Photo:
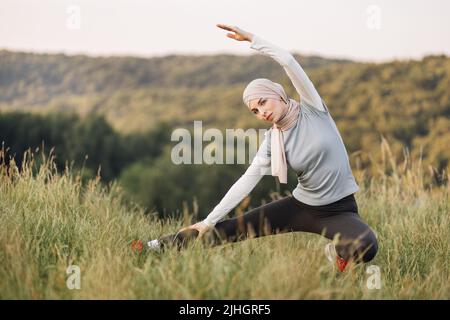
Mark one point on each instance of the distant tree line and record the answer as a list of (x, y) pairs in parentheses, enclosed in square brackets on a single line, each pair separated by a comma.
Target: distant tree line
[(141, 162)]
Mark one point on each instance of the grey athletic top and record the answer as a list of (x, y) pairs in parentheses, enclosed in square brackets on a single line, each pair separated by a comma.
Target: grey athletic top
[(314, 148), (315, 151)]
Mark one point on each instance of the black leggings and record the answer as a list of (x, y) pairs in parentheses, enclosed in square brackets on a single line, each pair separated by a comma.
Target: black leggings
[(355, 240)]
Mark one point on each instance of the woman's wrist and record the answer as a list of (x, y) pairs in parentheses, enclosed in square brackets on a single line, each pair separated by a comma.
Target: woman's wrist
[(207, 223)]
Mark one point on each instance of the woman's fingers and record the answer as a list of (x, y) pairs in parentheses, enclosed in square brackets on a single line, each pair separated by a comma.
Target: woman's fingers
[(200, 227), (236, 30), (239, 34), (226, 27), (191, 227)]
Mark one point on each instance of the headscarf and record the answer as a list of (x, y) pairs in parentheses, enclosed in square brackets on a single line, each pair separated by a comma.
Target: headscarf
[(266, 89)]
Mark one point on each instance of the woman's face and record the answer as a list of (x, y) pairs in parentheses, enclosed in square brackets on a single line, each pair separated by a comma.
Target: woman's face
[(267, 109)]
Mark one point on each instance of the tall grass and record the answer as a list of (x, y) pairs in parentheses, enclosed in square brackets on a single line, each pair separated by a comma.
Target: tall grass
[(50, 220)]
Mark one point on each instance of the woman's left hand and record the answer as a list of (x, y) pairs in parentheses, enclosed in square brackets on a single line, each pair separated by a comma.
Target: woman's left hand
[(201, 227), (239, 34)]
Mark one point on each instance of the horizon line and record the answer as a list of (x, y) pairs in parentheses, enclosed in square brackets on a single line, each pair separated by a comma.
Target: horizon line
[(216, 53)]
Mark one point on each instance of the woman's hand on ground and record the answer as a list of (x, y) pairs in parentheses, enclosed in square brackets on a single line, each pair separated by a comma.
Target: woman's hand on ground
[(201, 227), (239, 34)]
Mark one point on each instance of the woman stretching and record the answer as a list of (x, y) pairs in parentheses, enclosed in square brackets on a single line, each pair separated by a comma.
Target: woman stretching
[(304, 136)]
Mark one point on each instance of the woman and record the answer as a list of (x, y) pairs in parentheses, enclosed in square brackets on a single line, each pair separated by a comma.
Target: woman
[(304, 136)]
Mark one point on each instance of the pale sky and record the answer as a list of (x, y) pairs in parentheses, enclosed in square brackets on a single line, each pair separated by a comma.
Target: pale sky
[(357, 29)]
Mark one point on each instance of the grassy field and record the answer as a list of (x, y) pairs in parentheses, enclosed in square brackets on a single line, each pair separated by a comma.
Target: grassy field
[(50, 220)]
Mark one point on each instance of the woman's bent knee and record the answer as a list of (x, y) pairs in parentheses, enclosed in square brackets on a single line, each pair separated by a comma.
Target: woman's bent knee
[(363, 249), (368, 247)]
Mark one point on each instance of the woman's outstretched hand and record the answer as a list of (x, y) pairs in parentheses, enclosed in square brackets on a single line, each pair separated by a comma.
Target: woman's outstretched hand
[(239, 34), (201, 227)]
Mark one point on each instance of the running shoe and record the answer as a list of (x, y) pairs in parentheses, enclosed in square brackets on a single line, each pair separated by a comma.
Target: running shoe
[(333, 257)]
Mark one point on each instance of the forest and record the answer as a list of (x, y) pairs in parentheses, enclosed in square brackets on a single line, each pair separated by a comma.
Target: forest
[(113, 117)]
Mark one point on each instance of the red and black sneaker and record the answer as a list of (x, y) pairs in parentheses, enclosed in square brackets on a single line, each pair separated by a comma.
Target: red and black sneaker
[(341, 263), (333, 257)]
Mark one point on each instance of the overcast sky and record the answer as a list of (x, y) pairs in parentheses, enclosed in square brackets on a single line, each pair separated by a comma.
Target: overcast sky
[(357, 29)]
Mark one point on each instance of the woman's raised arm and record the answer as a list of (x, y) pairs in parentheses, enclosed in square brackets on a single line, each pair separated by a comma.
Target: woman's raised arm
[(295, 72)]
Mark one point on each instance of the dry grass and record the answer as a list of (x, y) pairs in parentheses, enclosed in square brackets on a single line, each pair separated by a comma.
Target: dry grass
[(50, 221)]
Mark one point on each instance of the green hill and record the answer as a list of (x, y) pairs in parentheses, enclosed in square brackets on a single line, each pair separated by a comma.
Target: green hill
[(408, 102)]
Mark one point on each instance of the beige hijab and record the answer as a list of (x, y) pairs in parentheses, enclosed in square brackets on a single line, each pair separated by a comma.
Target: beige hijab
[(264, 88)]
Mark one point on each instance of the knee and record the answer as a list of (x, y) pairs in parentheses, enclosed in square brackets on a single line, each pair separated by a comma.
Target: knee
[(367, 248)]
